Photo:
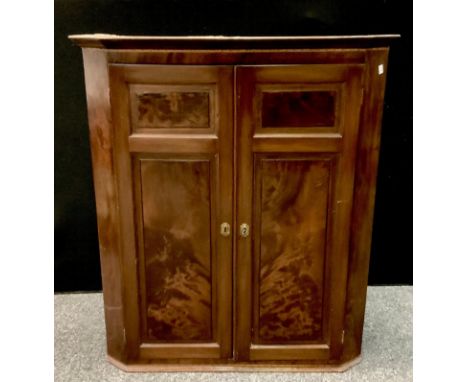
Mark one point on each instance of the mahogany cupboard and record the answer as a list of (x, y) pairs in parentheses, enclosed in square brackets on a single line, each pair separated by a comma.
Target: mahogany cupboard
[(235, 181)]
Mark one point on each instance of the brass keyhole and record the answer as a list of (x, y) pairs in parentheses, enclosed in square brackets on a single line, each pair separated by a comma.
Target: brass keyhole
[(244, 230), (225, 229)]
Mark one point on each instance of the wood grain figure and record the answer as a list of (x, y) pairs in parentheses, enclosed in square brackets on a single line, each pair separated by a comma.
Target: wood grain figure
[(294, 197), (298, 109), (177, 249), (235, 181), (173, 110)]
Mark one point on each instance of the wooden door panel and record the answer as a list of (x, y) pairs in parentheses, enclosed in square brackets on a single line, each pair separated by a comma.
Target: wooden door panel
[(296, 176), (298, 108), (174, 132), (290, 222), (171, 107), (176, 213)]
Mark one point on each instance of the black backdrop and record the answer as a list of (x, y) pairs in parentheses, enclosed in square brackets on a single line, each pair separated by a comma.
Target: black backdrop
[(76, 243)]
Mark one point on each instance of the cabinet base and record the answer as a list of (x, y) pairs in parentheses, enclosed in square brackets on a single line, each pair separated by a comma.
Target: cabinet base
[(231, 366)]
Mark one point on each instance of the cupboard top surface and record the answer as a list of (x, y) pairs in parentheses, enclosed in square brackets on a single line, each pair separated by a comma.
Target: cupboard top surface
[(110, 41)]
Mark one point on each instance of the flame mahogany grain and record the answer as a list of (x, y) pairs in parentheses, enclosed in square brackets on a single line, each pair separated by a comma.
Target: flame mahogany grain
[(298, 109), (293, 217), (280, 133), (172, 110), (177, 251)]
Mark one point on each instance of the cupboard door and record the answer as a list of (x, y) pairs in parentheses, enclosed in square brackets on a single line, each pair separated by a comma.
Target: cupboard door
[(296, 129), (173, 139)]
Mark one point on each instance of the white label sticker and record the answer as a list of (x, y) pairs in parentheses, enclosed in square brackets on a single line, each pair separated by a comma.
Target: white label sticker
[(380, 69)]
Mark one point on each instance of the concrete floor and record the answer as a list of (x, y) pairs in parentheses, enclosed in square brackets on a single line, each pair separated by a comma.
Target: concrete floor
[(387, 345)]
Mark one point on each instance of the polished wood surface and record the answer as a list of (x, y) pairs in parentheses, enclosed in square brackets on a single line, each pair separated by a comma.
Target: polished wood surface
[(292, 203), (236, 56), (170, 108), (325, 340), (279, 133), (107, 206), (204, 365), (298, 108), (177, 250), (180, 286), (110, 41), (363, 204)]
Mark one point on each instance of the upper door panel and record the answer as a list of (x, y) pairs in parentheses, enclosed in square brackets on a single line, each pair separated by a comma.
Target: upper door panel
[(175, 99), (298, 99)]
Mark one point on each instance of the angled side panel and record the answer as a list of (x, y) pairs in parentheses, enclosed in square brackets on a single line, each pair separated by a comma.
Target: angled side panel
[(364, 198), (101, 139)]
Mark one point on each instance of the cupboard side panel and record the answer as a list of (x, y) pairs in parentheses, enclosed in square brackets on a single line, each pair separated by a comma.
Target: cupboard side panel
[(101, 137), (364, 198)]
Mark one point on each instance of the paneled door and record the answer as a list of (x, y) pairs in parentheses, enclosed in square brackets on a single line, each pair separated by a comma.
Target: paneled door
[(174, 139), (296, 129)]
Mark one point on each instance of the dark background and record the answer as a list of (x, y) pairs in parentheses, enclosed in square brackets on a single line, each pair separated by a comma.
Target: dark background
[(76, 243)]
